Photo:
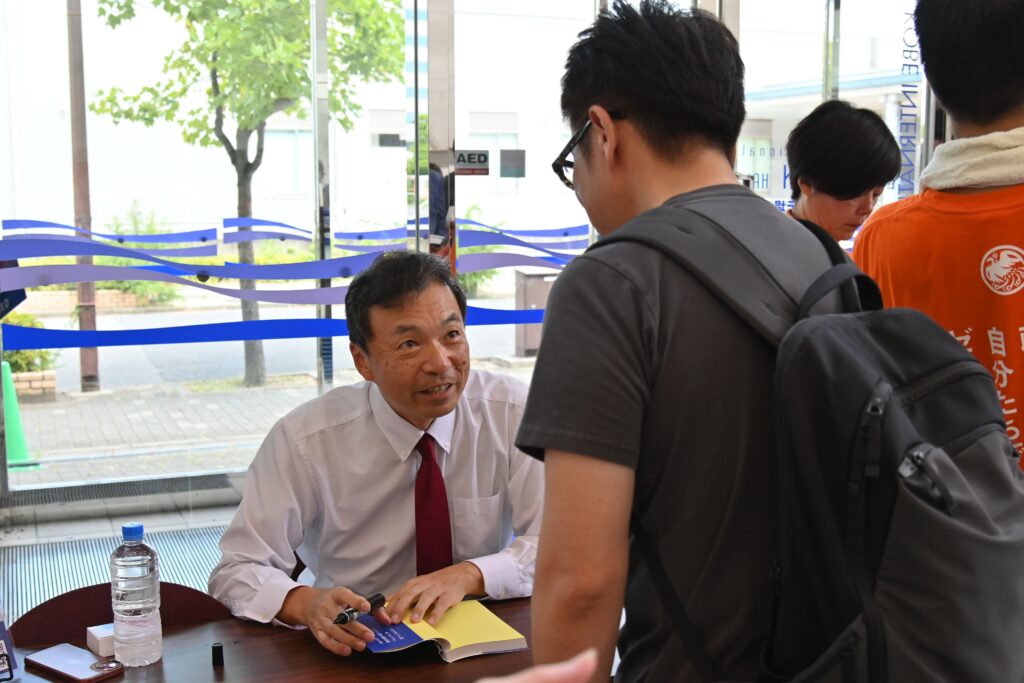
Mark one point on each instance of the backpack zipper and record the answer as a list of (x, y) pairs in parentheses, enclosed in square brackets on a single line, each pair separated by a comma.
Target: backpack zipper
[(867, 457), (937, 379), (918, 460)]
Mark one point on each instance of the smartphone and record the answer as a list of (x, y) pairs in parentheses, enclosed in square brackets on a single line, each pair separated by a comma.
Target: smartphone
[(73, 663)]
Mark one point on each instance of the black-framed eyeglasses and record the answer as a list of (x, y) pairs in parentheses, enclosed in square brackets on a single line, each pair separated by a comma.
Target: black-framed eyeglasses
[(561, 165)]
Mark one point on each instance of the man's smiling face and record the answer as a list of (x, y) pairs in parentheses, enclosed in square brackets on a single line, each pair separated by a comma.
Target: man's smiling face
[(418, 354)]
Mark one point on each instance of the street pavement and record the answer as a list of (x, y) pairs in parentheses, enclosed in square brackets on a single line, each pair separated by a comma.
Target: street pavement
[(168, 429)]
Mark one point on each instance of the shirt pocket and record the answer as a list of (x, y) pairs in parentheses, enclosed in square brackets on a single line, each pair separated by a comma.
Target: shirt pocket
[(480, 526)]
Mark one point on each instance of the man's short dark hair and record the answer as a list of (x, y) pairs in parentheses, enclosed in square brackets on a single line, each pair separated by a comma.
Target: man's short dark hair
[(842, 151), (387, 283), (674, 74), (972, 52)]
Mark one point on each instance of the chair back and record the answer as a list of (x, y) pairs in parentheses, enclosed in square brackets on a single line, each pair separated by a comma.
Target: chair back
[(64, 618)]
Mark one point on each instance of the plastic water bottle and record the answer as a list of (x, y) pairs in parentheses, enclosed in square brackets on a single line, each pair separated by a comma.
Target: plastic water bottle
[(135, 592)]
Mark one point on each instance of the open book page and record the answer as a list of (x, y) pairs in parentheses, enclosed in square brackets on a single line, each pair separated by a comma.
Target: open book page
[(465, 630)]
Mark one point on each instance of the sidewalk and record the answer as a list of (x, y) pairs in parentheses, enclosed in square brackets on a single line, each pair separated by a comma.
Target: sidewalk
[(180, 429)]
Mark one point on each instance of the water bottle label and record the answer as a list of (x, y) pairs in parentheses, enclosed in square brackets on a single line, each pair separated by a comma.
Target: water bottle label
[(8, 663)]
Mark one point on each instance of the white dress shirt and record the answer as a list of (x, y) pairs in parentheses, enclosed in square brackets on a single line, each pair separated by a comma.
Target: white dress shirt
[(334, 482)]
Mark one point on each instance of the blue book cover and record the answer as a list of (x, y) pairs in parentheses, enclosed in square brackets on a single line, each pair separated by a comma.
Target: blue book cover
[(389, 638)]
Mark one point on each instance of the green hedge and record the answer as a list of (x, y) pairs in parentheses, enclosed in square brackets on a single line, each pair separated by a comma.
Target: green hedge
[(31, 360)]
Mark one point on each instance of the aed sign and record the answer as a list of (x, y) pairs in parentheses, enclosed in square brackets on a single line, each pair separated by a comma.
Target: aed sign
[(472, 162)]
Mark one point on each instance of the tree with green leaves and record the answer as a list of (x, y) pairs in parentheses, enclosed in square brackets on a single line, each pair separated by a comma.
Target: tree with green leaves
[(241, 62)]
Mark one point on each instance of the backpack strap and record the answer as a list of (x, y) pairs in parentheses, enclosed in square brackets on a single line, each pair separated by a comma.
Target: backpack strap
[(723, 264), (681, 623), (837, 276), (866, 296)]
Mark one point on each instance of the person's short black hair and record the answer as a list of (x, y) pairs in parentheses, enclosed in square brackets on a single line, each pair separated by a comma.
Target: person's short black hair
[(675, 74), (972, 52), (388, 282), (842, 151)]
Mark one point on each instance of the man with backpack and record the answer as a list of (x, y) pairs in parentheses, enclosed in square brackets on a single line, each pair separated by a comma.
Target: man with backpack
[(650, 396), (771, 493), (956, 251)]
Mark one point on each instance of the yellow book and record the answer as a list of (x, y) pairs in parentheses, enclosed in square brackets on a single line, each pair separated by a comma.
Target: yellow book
[(465, 630)]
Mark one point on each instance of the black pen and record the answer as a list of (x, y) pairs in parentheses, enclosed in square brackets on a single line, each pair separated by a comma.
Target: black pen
[(351, 614)]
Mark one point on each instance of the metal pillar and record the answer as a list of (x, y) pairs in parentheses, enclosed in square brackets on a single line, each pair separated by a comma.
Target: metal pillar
[(441, 127), (830, 75), (321, 156)]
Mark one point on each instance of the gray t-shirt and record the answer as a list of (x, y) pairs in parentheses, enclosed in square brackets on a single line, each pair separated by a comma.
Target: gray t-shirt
[(641, 365)]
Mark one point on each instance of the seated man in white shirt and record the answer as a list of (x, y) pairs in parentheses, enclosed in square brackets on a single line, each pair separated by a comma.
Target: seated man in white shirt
[(338, 481)]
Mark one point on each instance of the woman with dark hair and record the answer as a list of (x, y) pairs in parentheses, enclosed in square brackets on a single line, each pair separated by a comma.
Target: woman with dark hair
[(840, 159)]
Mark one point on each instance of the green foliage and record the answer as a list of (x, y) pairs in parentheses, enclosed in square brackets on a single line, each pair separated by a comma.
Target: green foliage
[(33, 360), (471, 282), (248, 59), (149, 291), (135, 222), (421, 131), (267, 252)]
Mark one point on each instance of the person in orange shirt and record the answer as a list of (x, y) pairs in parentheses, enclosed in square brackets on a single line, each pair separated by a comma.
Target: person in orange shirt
[(956, 251)]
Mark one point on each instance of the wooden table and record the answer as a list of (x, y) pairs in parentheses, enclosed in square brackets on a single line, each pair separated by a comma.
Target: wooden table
[(260, 652)]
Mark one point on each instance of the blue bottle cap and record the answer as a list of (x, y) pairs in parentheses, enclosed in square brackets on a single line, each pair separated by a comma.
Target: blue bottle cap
[(132, 532)]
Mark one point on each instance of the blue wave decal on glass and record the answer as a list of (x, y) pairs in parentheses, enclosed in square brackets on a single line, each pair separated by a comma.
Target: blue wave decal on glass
[(206, 235), (253, 235), (249, 222), (347, 266), (17, 338)]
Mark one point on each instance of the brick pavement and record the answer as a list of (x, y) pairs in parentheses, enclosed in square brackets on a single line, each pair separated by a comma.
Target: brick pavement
[(168, 429)]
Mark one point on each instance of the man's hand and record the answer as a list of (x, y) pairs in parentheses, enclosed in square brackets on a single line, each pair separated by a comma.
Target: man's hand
[(429, 596), (317, 609)]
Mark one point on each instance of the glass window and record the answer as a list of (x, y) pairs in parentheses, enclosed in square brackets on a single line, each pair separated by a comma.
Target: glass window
[(158, 168), (880, 69), (782, 49), (507, 98)]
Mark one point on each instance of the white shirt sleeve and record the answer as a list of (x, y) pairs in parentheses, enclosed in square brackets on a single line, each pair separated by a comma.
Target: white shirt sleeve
[(258, 548), (508, 573)]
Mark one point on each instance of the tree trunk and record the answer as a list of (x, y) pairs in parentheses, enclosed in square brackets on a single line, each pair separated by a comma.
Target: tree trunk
[(255, 364)]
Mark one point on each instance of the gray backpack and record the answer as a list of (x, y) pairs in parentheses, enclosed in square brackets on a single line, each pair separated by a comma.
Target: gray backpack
[(901, 503)]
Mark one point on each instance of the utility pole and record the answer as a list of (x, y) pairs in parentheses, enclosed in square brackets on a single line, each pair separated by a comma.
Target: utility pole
[(89, 357)]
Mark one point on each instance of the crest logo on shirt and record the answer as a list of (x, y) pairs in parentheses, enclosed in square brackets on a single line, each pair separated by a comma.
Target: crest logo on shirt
[(1002, 269)]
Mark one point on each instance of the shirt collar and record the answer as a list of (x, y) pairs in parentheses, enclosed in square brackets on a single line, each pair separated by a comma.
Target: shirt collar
[(403, 436)]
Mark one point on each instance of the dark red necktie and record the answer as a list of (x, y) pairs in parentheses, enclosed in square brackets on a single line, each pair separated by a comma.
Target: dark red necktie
[(433, 525)]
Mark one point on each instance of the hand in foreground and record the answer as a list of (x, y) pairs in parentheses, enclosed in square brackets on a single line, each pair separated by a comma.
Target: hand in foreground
[(429, 596), (319, 608), (579, 669)]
